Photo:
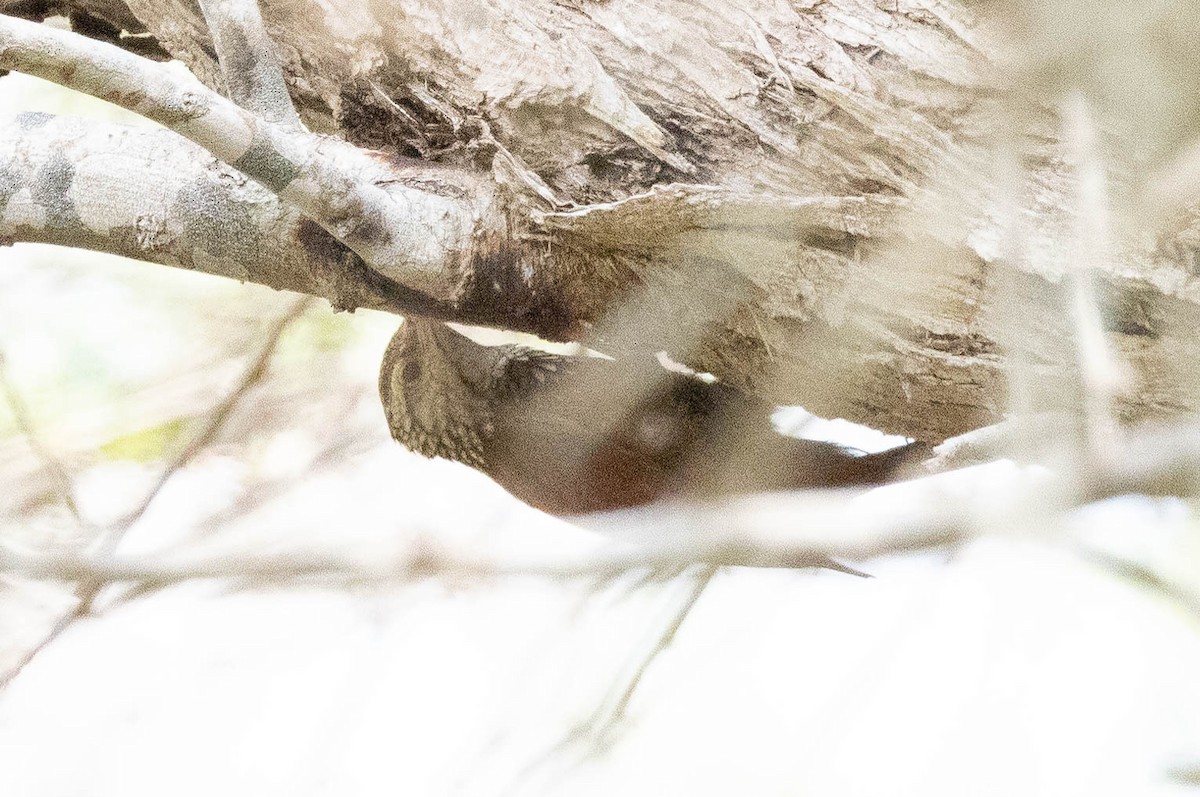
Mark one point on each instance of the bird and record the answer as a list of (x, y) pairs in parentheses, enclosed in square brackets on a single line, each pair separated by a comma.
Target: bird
[(573, 435)]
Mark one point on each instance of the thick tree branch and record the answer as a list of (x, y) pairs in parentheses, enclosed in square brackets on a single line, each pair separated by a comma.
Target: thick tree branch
[(418, 236), (865, 252), (150, 195)]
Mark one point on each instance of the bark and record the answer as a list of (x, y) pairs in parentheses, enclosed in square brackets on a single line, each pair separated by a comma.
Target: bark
[(150, 195), (846, 204)]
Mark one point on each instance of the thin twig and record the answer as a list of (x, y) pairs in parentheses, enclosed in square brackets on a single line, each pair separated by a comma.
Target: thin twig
[(215, 419), (1007, 439), (1185, 775), (248, 60), (606, 719), (1098, 366), (89, 584), (64, 485), (755, 531), (589, 737), (1143, 576)]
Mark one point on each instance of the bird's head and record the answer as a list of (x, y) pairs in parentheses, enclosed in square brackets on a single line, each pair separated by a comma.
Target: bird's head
[(439, 390)]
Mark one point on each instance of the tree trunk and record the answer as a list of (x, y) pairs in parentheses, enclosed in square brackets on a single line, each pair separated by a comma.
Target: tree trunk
[(845, 205)]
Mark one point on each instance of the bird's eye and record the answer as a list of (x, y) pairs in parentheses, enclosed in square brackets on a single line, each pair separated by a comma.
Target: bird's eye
[(412, 371)]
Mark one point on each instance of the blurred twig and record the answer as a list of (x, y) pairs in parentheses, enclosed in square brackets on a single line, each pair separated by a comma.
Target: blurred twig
[(1000, 441), (91, 583), (1186, 776), (755, 531), (343, 444), (613, 710), (422, 561), (1143, 576), (213, 421), (64, 485), (1098, 367), (597, 732)]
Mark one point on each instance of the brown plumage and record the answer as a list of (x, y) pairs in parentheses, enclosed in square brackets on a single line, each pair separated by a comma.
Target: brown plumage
[(571, 435)]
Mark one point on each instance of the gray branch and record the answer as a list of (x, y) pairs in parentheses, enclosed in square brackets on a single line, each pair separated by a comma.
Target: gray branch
[(150, 195), (418, 237), (248, 60)]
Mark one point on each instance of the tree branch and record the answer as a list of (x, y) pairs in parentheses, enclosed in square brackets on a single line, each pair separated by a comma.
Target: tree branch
[(419, 237), (758, 531), (422, 561), (793, 530), (150, 195), (248, 61), (878, 283)]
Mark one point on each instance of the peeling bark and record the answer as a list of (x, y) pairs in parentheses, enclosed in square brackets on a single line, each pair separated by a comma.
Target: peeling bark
[(816, 201)]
